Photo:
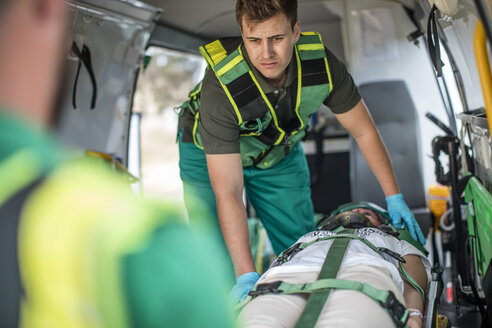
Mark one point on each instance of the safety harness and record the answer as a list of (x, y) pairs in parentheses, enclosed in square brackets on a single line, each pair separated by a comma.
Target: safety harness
[(192, 104), (320, 289), (256, 118)]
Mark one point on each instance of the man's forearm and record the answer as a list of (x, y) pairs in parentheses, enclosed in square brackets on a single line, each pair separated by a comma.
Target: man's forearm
[(234, 226), (226, 177)]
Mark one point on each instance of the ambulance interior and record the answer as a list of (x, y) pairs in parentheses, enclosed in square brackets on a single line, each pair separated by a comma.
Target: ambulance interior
[(421, 67)]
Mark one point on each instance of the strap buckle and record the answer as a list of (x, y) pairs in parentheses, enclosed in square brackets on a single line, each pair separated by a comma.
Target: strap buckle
[(394, 255), (287, 255), (398, 312), (389, 230), (266, 288)]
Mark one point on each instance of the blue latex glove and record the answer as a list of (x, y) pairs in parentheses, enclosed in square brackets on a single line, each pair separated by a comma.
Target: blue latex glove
[(398, 210), (243, 286)]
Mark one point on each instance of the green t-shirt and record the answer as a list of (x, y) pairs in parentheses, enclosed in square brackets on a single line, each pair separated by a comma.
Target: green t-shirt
[(218, 120), (170, 274)]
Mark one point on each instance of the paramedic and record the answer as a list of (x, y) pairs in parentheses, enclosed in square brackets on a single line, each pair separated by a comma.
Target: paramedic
[(344, 308), (77, 248), (242, 125)]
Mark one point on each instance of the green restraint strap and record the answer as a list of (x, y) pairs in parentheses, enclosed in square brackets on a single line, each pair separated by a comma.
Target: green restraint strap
[(327, 281), (285, 256), (384, 297), (320, 289), (411, 281), (330, 268), (325, 284)]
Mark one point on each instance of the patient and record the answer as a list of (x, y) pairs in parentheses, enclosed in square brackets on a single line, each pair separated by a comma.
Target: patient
[(344, 308)]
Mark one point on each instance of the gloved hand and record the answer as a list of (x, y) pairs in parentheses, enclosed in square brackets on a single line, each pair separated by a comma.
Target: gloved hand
[(244, 284), (398, 210)]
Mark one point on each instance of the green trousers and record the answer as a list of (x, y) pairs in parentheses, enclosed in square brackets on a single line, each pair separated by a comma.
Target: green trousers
[(281, 195)]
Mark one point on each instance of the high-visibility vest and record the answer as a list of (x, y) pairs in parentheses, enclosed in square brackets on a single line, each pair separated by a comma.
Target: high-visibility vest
[(263, 142), (74, 229)]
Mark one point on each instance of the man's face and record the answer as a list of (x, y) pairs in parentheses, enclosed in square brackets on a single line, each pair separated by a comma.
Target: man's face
[(32, 37), (371, 215), (270, 46)]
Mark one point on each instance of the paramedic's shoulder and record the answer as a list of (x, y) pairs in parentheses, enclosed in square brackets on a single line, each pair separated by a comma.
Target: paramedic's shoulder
[(345, 93), (218, 120)]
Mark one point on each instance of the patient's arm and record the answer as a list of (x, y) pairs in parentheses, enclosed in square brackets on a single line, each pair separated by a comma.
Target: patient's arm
[(416, 270)]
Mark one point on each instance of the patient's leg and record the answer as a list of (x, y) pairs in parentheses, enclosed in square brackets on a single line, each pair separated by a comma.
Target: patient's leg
[(343, 308), (346, 308), (274, 310)]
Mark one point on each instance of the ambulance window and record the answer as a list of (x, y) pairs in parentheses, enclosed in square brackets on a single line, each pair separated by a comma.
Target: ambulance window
[(449, 89), (164, 83)]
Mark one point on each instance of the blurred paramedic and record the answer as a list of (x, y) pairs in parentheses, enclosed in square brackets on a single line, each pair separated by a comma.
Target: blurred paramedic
[(243, 129), (344, 308), (77, 248)]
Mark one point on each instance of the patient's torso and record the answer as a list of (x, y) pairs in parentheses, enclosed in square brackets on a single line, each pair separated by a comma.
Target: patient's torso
[(312, 258)]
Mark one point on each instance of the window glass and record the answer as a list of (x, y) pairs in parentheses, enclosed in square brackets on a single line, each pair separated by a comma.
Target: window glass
[(449, 88), (164, 83)]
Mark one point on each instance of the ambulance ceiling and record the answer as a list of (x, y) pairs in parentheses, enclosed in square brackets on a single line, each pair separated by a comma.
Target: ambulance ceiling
[(209, 19)]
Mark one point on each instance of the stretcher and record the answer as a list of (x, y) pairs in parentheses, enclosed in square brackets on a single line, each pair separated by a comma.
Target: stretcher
[(397, 311)]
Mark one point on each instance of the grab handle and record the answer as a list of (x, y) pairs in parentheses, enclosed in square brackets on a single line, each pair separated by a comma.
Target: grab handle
[(480, 45)]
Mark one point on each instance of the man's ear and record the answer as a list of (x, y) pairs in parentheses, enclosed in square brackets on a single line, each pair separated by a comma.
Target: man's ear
[(297, 31)]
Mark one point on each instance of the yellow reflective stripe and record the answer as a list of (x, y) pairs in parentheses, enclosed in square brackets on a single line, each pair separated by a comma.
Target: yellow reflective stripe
[(16, 172), (272, 111), (326, 63), (229, 65), (195, 127), (212, 64), (299, 86), (216, 51), (329, 74), (197, 91), (259, 252), (310, 33), (252, 134), (312, 46), (205, 55)]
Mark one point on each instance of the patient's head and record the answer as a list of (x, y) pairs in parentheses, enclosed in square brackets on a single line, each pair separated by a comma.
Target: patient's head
[(370, 214), (358, 217)]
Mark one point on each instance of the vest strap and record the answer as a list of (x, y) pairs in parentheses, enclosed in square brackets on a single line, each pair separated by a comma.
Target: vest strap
[(256, 116), (20, 174), (10, 282)]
